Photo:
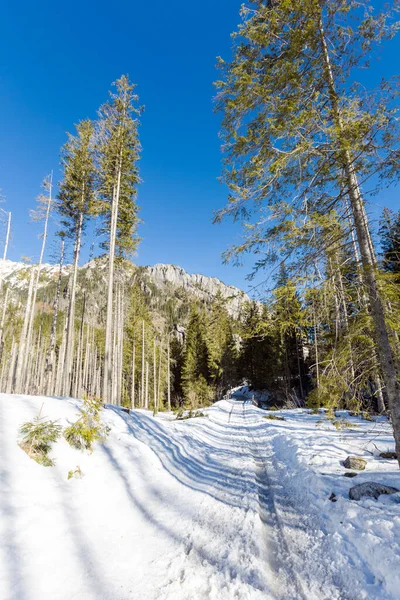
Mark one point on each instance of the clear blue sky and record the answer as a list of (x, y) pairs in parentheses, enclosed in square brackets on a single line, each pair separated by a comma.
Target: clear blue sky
[(57, 61)]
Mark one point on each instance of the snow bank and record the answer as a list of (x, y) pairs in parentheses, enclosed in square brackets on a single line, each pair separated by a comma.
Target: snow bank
[(218, 508)]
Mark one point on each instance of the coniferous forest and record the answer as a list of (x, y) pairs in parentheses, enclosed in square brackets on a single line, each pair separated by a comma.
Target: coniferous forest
[(304, 148), (165, 434)]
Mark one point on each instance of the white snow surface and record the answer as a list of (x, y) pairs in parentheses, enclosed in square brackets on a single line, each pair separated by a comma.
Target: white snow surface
[(233, 506)]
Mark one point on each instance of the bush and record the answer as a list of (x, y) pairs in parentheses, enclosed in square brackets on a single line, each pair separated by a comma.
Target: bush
[(37, 437), (88, 429), (181, 416)]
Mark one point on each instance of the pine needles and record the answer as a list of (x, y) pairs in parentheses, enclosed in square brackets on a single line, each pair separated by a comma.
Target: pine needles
[(37, 438)]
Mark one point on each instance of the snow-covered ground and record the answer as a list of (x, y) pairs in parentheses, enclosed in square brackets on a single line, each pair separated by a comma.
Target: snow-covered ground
[(230, 506)]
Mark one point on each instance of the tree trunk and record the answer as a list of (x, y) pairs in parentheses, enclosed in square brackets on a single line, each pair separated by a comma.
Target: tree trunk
[(39, 266), (18, 373), (50, 357), (155, 378), (108, 347), (69, 344), (384, 349), (142, 388), (7, 236), (133, 377), (169, 376)]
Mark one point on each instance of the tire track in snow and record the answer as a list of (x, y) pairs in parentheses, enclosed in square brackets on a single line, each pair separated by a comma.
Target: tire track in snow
[(277, 549)]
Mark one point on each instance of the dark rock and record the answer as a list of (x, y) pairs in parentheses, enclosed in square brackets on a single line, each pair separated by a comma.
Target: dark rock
[(355, 462), (332, 497), (370, 489), (350, 474), (390, 455)]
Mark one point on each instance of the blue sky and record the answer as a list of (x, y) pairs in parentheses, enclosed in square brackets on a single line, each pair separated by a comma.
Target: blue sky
[(57, 61)]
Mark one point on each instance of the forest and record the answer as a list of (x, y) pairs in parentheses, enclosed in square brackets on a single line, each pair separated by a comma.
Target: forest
[(304, 148)]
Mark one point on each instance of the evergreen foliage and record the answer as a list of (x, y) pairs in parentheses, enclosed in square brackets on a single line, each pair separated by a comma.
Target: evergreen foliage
[(390, 240), (88, 429), (37, 438)]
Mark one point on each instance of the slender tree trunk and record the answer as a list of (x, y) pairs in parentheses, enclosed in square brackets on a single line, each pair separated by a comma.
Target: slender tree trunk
[(3, 318), (69, 345), (159, 377), (169, 376), (142, 388), (17, 376), (50, 357), (133, 377), (384, 350), (108, 348), (316, 344), (147, 386), (39, 266), (7, 236), (155, 377), (12, 366)]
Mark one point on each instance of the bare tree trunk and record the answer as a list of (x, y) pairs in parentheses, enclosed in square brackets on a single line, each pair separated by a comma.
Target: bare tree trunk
[(155, 378), (384, 350), (108, 349), (17, 375), (3, 318), (12, 366), (147, 386), (169, 376), (133, 377), (50, 357), (142, 388), (159, 378), (7, 236), (69, 344), (316, 343), (39, 266)]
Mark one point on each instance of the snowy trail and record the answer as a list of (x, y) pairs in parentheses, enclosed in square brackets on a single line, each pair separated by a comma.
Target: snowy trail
[(217, 508)]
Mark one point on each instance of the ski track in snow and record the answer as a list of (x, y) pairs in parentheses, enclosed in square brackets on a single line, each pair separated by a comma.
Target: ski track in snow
[(217, 508)]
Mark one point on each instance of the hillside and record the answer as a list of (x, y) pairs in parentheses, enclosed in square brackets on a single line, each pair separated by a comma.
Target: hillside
[(229, 506), (171, 281)]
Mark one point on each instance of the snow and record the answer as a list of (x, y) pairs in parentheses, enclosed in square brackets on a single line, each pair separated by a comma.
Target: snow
[(229, 506)]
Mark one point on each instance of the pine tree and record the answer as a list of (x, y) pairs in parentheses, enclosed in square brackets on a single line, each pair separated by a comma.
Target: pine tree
[(74, 204), (221, 346), (118, 150), (298, 134), (195, 369)]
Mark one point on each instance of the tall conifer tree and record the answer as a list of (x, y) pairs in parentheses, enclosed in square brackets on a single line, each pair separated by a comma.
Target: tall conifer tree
[(74, 204), (299, 135), (118, 152)]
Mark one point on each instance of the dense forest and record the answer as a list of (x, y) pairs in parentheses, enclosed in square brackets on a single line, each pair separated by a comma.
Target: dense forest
[(304, 149)]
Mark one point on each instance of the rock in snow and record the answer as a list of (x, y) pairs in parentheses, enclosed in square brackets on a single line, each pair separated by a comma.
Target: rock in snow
[(371, 490), (355, 462)]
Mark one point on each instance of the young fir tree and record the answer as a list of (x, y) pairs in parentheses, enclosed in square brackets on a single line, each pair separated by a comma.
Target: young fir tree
[(221, 346), (288, 320), (299, 131), (118, 152), (195, 370), (74, 204)]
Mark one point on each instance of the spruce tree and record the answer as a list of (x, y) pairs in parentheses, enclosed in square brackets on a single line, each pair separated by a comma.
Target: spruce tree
[(299, 132), (195, 369), (118, 153), (74, 204)]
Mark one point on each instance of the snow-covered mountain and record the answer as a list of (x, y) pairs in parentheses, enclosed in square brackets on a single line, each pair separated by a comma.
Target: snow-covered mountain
[(165, 277)]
